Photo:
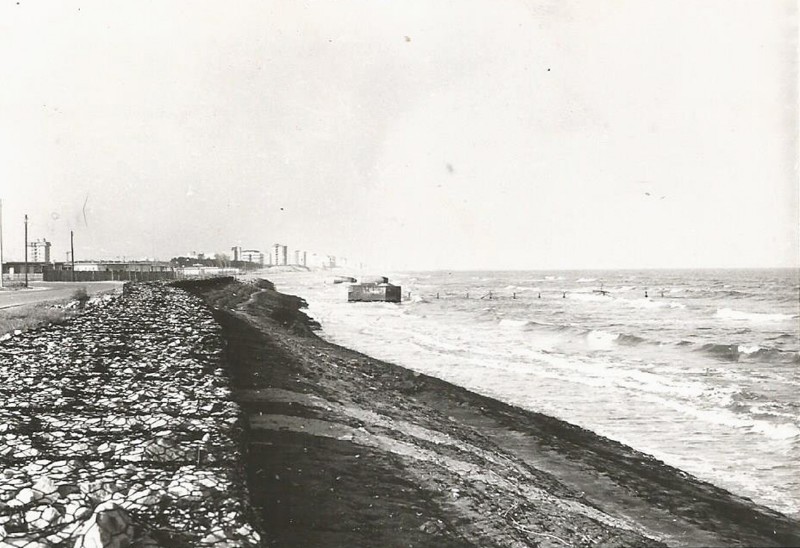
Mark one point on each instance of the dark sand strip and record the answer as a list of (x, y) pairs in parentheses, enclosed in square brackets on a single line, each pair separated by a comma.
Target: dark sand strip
[(346, 450)]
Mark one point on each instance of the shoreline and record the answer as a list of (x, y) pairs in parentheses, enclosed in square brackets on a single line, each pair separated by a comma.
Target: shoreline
[(525, 478), (715, 402)]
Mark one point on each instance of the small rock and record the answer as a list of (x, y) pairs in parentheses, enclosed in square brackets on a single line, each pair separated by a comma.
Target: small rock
[(41, 517), (25, 496), (47, 489), (76, 510), (100, 491)]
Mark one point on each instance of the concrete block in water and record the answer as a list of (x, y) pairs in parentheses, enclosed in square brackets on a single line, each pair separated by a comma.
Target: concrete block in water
[(371, 292)]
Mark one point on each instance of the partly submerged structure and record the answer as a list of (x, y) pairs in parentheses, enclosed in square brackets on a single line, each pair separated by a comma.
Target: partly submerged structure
[(374, 290)]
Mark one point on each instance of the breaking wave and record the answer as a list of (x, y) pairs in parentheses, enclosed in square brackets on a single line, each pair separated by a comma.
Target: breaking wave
[(736, 352), (728, 352), (630, 340)]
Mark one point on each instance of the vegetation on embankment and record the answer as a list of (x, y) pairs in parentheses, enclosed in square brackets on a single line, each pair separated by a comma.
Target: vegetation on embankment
[(31, 316), (25, 317)]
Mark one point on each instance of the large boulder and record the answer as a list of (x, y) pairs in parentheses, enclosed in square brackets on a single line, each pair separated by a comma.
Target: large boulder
[(110, 526)]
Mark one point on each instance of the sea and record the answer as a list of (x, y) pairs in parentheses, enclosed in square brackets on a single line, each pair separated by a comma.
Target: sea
[(699, 368)]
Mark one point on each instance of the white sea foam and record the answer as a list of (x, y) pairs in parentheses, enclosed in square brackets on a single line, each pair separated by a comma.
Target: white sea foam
[(505, 322), (601, 340), (780, 431), (729, 314), (646, 303), (748, 349), (586, 297), (586, 280)]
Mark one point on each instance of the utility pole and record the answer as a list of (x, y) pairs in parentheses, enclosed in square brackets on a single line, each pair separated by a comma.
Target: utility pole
[(72, 252), (26, 250)]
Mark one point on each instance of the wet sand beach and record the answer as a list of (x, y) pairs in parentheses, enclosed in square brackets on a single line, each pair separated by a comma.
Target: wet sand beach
[(346, 450)]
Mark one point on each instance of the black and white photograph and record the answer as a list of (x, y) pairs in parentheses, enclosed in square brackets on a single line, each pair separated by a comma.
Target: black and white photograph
[(399, 274)]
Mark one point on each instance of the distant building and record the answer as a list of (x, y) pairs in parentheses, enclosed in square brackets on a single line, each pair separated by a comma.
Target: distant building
[(305, 256), (40, 251), (116, 266), (237, 253), (17, 268), (280, 254), (252, 256)]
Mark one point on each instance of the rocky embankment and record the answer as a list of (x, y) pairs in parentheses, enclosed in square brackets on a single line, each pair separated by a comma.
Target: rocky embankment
[(117, 429), (346, 450)]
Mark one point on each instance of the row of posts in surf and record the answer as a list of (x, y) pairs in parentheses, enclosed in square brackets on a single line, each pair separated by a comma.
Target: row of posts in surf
[(492, 295)]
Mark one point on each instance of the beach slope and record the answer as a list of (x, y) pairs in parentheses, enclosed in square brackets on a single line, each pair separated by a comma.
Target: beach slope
[(346, 450)]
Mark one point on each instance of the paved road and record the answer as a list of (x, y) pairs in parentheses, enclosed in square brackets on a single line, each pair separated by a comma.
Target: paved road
[(51, 291)]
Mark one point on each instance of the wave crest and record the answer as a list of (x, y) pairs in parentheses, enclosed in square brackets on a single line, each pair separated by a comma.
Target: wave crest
[(730, 314)]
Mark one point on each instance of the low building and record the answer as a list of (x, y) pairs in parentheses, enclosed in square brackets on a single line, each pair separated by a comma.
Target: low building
[(12, 268), (116, 266), (95, 271)]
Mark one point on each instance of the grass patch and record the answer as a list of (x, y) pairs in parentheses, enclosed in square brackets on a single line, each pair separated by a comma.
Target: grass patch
[(32, 316)]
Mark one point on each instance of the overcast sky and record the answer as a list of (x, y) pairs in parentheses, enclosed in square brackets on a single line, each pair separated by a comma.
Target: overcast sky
[(429, 134)]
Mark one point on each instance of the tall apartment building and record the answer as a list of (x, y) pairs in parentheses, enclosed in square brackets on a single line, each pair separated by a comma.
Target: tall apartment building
[(280, 254), (40, 251)]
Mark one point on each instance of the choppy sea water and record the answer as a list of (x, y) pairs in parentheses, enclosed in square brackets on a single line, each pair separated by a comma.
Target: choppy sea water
[(702, 373)]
